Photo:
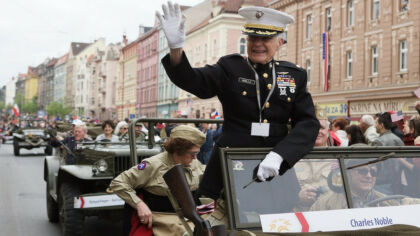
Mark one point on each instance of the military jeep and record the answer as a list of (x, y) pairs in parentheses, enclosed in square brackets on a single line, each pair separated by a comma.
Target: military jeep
[(29, 137), (79, 190)]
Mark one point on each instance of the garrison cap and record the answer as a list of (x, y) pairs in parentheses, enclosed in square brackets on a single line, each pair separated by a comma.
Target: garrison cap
[(264, 22), (189, 133)]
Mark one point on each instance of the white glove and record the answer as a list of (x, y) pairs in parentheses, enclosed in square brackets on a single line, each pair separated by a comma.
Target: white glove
[(270, 166), (173, 25)]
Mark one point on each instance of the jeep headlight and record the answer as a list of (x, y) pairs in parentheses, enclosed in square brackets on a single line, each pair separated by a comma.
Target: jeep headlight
[(101, 165)]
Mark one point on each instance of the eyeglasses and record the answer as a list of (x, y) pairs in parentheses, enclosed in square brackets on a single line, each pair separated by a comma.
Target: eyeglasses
[(124, 128), (193, 154), (365, 171)]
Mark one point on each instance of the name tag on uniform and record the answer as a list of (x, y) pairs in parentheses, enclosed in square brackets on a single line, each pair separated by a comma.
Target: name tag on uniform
[(260, 129)]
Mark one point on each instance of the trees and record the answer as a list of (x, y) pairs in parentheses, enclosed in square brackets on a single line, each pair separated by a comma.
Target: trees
[(58, 108)]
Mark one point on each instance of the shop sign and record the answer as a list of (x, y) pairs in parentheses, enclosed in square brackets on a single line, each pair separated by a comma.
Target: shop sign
[(335, 109), (378, 106)]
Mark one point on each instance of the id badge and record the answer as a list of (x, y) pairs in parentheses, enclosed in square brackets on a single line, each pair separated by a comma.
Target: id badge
[(260, 129)]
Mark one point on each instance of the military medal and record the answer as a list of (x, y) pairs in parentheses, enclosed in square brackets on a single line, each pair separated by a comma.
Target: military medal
[(282, 90)]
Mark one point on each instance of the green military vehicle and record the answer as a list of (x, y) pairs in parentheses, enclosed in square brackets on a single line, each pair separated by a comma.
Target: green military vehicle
[(356, 191), (79, 190), (32, 135)]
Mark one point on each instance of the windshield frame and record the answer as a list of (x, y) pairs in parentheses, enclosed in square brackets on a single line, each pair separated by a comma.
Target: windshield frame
[(227, 155)]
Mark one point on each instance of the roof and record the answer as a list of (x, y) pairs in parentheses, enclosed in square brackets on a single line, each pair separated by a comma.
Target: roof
[(197, 14), (52, 62), (63, 59), (76, 48)]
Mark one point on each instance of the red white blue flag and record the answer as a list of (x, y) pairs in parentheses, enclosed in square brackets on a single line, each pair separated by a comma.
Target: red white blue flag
[(397, 116), (16, 110), (325, 58)]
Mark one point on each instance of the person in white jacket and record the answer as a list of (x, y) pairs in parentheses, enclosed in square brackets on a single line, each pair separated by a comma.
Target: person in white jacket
[(339, 126), (367, 125)]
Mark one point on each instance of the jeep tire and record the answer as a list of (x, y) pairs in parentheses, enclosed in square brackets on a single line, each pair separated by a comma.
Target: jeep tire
[(71, 220), (16, 148), (52, 207), (48, 150)]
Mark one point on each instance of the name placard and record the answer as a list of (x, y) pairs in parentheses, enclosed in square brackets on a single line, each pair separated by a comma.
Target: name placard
[(345, 219)]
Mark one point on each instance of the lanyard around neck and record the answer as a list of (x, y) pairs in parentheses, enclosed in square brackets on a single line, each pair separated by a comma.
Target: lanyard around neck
[(257, 86)]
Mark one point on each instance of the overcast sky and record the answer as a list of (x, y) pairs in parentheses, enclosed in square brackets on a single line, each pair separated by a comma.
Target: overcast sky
[(33, 30)]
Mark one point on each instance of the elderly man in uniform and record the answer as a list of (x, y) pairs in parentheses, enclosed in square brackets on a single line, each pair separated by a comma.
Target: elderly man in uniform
[(259, 95)]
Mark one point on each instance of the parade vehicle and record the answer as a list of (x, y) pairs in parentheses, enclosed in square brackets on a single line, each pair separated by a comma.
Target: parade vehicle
[(75, 191), (351, 185), (32, 134), (348, 183)]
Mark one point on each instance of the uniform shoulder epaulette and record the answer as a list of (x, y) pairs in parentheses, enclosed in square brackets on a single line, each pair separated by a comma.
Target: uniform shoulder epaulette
[(290, 65)]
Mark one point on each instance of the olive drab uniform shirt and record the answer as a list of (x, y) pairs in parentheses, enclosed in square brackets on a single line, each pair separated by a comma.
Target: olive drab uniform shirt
[(233, 81), (148, 176)]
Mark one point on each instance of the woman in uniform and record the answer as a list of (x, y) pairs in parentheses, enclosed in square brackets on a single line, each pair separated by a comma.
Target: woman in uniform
[(143, 188)]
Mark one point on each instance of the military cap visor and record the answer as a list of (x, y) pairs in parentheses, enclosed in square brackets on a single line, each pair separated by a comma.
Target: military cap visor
[(264, 22)]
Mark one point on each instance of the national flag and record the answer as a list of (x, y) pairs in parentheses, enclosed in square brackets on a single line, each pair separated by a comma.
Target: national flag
[(417, 93), (325, 58), (16, 110), (214, 115), (397, 116)]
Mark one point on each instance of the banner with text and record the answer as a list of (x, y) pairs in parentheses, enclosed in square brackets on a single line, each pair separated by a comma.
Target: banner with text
[(345, 219), (372, 107), (335, 109)]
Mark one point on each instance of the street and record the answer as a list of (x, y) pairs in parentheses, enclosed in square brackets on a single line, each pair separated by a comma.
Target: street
[(22, 198)]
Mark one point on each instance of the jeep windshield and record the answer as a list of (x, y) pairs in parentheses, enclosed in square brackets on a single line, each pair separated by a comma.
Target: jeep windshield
[(324, 182)]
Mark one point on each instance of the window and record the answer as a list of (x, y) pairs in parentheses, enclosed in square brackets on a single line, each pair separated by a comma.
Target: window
[(350, 13), (308, 26), (328, 17), (242, 46), (308, 69), (205, 51), (403, 5), (197, 53), (214, 48), (374, 60), (403, 55), (375, 10), (349, 64)]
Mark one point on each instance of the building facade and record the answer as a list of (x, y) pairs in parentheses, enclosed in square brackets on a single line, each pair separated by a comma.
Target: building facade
[(167, 100), (10, 92), (49, 83), (71, 73), (31, 84), (60, 71), (147, 71), (127, 82), (104, 68), (83, 73), (371, 62), (20, 85)]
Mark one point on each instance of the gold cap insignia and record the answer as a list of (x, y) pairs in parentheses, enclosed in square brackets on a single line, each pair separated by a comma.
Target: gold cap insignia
[(259, 14)]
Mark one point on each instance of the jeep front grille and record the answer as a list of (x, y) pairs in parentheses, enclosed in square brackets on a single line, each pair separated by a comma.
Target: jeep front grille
[(121, 163)]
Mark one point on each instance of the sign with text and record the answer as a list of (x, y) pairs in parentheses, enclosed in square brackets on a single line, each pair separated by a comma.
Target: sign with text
[(335, 109), (345, 219), (108, 200), (377, 106)]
